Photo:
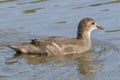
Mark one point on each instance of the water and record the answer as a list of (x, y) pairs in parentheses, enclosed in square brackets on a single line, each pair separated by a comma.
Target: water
[(22, 20)]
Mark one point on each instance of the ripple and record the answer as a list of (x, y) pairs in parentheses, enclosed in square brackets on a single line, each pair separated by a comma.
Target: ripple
[(60, 22), (33, 2), (105, 10), (31, 10), (1, 76), (101, 48), (115, 30), (99, 4), (6, 1)]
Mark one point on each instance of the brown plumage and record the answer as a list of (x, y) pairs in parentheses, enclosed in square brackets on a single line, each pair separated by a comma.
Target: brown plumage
[(61, 45)]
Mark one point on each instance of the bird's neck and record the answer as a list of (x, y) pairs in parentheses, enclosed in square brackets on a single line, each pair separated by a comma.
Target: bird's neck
[(84, 36)]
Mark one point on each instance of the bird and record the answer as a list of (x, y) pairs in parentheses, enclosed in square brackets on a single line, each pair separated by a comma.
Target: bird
[(57, 45)]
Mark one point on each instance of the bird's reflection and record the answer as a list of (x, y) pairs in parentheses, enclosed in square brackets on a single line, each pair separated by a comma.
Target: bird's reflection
[(83, 61), (85, 64)]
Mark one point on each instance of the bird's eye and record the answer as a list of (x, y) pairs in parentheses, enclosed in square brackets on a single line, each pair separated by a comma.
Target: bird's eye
[(93, 23)]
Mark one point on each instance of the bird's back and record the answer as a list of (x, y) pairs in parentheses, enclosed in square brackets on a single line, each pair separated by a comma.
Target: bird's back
[(53, 46)]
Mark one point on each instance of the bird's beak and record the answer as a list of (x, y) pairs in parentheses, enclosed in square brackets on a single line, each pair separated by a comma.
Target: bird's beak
[(99, 27)]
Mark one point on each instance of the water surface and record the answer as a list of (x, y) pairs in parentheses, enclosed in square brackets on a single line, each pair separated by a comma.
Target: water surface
[(23, 20)]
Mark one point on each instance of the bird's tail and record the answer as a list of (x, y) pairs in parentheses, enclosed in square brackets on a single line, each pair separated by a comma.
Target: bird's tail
[(15, 48)]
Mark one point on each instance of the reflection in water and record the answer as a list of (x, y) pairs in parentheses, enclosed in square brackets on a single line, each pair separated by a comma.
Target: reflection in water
[(84, 61), (37, 59), (85, 65)]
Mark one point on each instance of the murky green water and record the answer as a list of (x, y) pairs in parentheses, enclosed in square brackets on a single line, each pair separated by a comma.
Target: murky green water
[(22, 20)]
